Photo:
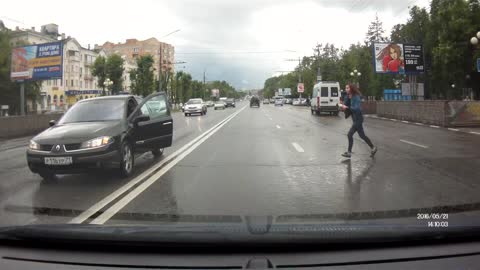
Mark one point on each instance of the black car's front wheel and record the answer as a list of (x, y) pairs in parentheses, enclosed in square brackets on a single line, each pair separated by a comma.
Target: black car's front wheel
[(157, 152), (126, 164)]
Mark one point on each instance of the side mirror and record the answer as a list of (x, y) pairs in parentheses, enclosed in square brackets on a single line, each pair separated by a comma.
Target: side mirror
[(52, 123), (140, 118)]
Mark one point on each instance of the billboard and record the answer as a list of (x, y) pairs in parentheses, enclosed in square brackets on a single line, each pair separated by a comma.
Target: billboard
[(300, 87), (396, 58), (37, 62), (215, 92)]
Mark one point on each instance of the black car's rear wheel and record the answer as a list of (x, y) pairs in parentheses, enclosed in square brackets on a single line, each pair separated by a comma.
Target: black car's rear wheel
[(126, 164), (157, 152)]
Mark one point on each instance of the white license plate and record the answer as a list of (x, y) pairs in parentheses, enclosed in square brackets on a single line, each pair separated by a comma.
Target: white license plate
[(58, 160)]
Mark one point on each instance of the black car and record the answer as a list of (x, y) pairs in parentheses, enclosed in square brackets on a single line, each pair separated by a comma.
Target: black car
[(230, 102), (254, 101), (102, 132)]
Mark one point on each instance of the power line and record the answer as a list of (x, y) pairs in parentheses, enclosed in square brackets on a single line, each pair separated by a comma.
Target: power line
[(235, 52)]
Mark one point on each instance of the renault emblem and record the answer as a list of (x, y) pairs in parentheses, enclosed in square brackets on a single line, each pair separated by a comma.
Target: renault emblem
[(57, 148)]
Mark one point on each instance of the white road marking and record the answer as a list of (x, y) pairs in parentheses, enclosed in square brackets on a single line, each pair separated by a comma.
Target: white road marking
[(406, 122), (298, 147), (270, 119), (416, 144), (394, 120), (453, 129), (420, 124), (278, 126), (473, 132), (105, 201), (432, 126), (110, 212)]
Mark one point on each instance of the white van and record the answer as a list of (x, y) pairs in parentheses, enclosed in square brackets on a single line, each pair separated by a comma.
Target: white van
[(325, 97)]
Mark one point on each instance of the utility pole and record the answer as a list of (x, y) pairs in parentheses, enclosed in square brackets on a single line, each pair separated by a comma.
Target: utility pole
[(160, 69), (204, 88), (319, 74)]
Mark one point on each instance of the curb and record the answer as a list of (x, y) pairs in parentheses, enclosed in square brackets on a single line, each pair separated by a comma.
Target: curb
[(420, 124)]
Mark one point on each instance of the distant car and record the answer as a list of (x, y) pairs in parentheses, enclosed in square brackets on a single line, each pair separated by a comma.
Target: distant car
[(210, 103), (265, 101), (288, 101), (279, 101), (102, 132), (296, 102), (230, 102), (195, 105), (219, 105), (255, 101)]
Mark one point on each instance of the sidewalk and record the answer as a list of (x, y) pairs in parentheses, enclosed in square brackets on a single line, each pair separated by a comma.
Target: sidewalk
[(7, 144)]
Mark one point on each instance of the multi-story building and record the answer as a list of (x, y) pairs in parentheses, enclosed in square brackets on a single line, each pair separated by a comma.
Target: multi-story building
[(77, 80), (133, 48)]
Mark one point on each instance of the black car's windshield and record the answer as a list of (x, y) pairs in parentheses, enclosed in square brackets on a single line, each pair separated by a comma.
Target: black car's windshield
[(95, 110)]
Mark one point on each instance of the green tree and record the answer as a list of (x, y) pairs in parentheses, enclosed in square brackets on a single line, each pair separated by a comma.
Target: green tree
[(8, 94), (142, 77), (99, 70), (114, 71), (375, 32)]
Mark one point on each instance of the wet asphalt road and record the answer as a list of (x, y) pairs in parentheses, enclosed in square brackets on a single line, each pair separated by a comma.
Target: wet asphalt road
[(267, 161)]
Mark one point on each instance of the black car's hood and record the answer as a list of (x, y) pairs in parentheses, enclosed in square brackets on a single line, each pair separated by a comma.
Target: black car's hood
[(78, 132)]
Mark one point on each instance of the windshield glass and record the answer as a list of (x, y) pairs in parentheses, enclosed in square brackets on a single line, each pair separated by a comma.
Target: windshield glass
[(95, 110), (326, 112), (194, 101)]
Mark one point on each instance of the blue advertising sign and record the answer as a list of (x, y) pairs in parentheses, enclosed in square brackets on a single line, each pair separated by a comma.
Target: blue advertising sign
[(37, 62)]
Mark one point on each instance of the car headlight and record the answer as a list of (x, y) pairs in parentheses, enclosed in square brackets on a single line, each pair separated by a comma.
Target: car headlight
[(33, 145), (97, 142)]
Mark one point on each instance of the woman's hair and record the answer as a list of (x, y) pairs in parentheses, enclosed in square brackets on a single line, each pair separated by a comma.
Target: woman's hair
[(386, 51), (354, 90)]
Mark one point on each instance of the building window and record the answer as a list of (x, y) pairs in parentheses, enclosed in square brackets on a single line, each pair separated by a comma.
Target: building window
[(135, 50), (72, 83), (61, 100), (81, 84), (55, 100), (49, 100), (81, 70)]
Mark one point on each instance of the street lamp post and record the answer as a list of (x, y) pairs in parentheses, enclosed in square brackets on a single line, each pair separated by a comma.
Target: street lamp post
[(475, 42), (160, 52), (356, 76), (107, 84)]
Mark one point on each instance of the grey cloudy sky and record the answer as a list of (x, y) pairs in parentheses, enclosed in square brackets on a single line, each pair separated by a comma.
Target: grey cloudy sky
[(242, 41)]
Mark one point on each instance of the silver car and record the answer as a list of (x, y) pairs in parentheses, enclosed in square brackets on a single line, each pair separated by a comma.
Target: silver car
[(219, 105), (195, 105)]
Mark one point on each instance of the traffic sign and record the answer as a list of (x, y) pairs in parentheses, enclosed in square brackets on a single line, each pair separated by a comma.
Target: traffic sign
[(300, 88)]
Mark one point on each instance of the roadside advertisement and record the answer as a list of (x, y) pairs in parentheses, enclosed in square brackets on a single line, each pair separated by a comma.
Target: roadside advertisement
[(37, 62), (215, 92), (396, 58), (287, 91), (300, 88)]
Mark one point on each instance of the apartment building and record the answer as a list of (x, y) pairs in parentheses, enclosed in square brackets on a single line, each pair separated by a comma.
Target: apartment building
[(133, 48)]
